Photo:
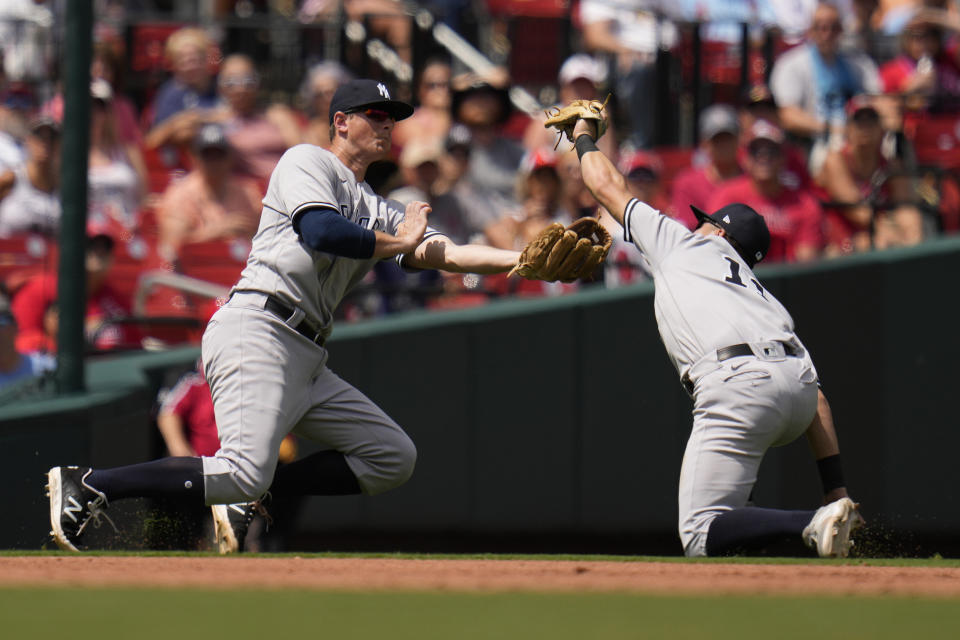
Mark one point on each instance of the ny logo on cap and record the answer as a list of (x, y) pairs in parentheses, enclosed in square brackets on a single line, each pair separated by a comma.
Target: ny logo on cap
[(382, 88)]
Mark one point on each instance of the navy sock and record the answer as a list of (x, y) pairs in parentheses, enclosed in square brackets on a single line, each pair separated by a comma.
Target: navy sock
[(324, 473), (178, 478), (752, 528)]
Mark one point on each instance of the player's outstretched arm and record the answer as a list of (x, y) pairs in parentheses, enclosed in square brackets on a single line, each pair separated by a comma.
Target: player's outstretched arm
[(603, 180), (825, 446), (440, 252)]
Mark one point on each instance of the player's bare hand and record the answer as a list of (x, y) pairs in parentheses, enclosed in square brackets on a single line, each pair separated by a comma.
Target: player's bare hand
[(414, 225), (588, 127)]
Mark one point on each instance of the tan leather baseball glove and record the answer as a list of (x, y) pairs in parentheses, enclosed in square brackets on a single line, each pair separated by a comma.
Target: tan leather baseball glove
[(565, 253), (563, 119)]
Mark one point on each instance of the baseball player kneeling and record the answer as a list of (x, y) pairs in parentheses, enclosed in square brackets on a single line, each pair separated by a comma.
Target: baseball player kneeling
[(322, 229), (753, 383)]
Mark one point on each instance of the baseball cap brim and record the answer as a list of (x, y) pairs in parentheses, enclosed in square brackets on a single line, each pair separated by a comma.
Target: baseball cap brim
[(397, 110), (702, 216)]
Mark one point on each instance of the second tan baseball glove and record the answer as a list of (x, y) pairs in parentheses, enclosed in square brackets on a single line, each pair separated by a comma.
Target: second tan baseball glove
[(563, 119), (565, 253)]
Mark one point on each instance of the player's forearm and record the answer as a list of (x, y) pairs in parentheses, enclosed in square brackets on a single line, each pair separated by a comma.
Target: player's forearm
[(822, 437), (438, 252), (605, 183), (388, 246), (821, 433)]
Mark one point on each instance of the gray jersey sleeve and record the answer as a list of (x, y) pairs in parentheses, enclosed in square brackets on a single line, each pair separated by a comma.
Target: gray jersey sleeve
[(304, 180), (655, 234)]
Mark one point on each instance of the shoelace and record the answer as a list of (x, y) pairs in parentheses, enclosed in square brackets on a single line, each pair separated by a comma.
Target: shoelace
[(95, 508), (258, 508), (95, 512)]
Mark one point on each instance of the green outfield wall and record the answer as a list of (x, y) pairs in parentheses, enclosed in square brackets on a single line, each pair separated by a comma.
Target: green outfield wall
[(563, 417)]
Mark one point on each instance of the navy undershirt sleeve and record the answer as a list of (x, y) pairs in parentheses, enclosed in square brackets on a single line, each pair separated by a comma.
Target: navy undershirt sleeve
[(326, 230)]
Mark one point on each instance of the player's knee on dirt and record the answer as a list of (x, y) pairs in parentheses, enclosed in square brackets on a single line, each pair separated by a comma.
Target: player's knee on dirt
[(389, 468), (693, 533)]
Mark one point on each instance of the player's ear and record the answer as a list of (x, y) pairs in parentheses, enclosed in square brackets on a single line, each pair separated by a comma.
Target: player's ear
[(340, 121)]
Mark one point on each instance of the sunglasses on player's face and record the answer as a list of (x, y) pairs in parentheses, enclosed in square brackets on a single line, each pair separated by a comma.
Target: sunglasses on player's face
[(377, 115)]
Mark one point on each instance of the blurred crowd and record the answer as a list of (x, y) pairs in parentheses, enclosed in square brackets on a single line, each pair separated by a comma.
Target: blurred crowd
[(843, 145)]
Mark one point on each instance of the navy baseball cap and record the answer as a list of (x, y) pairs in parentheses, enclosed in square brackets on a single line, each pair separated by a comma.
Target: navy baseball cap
[(357, 95), (745, 226)]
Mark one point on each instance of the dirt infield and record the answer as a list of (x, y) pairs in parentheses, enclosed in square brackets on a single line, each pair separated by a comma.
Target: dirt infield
[(363, 574)]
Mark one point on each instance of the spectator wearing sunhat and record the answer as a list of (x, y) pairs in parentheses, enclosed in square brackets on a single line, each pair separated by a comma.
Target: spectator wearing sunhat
[(211, 202), (581, 77), (793, 216), (719, 132), (494, 159), (29, 194)]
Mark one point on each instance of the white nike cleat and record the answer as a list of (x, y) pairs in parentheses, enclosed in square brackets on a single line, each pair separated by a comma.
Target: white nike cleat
[(830, 528)]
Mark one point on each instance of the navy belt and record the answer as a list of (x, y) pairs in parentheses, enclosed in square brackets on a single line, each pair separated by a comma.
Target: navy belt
[(282, 311)]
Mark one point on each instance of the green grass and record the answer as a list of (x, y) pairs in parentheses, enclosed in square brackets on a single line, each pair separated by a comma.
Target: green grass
[(145, 614)]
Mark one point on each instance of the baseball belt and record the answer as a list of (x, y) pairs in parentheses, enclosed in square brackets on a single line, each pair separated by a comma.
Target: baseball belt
[(285, 313), (742, 349)]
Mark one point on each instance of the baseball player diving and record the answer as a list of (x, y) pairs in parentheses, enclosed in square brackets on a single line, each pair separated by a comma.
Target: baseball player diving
[(321, 230), (753, 383)]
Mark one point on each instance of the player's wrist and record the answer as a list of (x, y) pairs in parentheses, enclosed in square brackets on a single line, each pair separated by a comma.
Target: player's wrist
[(585, 144), (830, 469)]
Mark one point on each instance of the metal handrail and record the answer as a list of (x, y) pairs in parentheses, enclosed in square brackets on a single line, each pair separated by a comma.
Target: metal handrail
[(179, 281)]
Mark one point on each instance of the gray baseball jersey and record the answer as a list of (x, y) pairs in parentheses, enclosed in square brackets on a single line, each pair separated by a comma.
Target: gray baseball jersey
[(706, 296), (706, 299), (266, 378), (280, 263)]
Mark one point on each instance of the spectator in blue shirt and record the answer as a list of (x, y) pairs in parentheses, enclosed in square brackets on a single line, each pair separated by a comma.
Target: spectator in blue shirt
[(180, 103)]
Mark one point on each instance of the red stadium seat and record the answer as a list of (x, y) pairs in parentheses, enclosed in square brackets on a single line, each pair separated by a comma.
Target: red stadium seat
[(24, 256), (217, 261), (675, 160), (164, 164), (935, 139)]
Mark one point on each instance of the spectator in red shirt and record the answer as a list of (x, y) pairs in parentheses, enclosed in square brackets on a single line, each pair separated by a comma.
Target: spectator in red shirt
[(694, 185), (34, 305), (186, 420), (758, 103), (925, 72), (793, 216)]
